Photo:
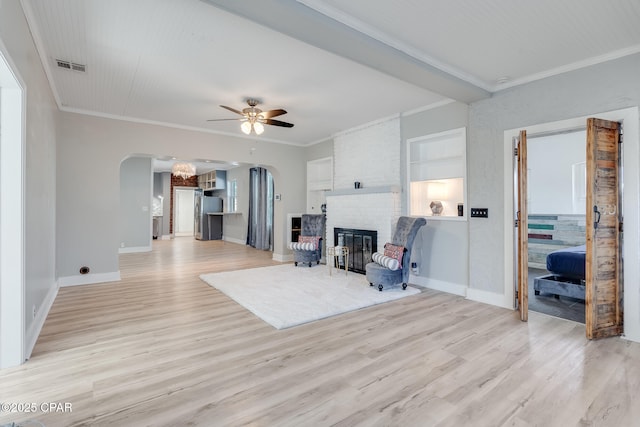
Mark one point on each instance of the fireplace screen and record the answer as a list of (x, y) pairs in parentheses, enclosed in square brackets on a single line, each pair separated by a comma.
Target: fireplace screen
[(361, 243)]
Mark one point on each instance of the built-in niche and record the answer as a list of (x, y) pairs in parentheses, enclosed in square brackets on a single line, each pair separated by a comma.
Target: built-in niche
[(437, 175)]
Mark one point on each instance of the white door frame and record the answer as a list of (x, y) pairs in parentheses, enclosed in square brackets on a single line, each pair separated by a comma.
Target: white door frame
[(12, 168), (175, 209), (630, 206)]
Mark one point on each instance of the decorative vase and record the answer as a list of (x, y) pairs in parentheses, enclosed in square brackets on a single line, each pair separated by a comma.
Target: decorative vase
[(436, 208)]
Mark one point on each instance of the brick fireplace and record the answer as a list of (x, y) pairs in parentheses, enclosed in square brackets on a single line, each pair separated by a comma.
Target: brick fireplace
[(376, 209)]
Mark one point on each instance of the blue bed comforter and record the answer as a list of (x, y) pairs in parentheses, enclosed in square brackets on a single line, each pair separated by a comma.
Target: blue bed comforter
[(569, 262)]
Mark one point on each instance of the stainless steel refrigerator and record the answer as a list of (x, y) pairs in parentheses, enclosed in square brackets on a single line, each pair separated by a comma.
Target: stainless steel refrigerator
[(204, 205)]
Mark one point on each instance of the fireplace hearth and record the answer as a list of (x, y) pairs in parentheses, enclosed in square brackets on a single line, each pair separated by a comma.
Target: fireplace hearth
[(361, 243)]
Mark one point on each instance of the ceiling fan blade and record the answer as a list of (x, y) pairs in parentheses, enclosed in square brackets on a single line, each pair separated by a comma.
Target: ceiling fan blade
[(273, 113), (232, 109), (222, 120), (278, 123)]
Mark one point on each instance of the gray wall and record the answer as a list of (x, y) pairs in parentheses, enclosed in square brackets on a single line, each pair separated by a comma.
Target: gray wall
[(40, 162), (441, 247), (94, 147), (320, 150), (135, 202), (157, 185), (600, 88), (166, 203)]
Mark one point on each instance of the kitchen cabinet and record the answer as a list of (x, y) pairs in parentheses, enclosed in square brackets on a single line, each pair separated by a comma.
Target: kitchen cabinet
[(214, 180)]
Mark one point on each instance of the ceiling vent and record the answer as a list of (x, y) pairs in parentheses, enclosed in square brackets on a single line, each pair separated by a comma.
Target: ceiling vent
[(71, 66)]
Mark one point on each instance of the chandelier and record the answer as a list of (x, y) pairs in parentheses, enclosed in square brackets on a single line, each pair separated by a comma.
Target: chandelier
[(183, 170)]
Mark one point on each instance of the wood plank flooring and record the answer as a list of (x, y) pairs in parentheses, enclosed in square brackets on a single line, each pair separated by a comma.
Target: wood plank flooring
[(161, 348)]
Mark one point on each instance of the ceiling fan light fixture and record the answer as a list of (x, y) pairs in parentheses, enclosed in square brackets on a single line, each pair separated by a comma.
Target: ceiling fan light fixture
[(258, 128), (246, 127), (253, 119)]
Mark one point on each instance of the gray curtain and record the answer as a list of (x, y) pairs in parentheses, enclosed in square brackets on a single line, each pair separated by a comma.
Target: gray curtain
[(260, 230)]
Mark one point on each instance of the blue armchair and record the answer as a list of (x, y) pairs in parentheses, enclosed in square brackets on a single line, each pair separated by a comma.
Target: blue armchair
[(404, 235), (312, 227)]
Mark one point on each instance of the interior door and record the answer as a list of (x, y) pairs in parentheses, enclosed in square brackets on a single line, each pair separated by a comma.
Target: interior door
[(522, 266), (603, 262)]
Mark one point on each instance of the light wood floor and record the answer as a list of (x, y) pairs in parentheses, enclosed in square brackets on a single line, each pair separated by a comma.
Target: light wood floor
[(163, 348)]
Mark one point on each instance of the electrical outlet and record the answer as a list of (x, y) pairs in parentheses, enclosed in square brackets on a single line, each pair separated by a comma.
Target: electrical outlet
[(414, 268), (479, 213), (34, 312)]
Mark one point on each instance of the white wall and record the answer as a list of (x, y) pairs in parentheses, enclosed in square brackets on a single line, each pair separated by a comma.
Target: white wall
[(550, 184), (40, 176), (92, 148), (369, 154)]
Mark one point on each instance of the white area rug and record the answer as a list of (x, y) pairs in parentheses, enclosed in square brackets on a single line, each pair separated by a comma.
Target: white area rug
[(286, 296)]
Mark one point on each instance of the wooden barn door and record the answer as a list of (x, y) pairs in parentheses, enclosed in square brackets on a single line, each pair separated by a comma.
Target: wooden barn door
[(522, 227), (603, 263)]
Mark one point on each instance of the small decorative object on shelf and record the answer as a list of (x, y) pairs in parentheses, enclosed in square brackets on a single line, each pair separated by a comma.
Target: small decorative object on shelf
[(436, 208)]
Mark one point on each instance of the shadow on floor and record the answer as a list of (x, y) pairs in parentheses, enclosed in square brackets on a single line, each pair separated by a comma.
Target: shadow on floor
[(563, 307)]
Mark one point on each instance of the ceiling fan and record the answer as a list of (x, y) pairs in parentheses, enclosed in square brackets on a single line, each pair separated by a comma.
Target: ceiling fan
[(254, 119)]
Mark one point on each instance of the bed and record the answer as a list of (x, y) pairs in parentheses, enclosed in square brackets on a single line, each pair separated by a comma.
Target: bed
[(567, 268)]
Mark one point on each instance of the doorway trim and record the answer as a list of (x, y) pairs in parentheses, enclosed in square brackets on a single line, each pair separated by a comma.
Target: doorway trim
[(631, 207), (177, 188), (12, 171)]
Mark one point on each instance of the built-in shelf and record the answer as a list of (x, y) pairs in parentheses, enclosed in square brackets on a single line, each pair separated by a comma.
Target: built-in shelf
[(437, 174), (319, 180), (365, 190)]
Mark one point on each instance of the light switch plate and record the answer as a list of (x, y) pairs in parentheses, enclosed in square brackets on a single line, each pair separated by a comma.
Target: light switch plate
[(479, 213)]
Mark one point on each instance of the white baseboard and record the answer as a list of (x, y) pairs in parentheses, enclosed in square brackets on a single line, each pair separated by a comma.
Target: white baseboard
[(489, 298), (134, 249), (88, 279), (282, 257), (232, 240), (439, 285), (166, 237), (41, 315)]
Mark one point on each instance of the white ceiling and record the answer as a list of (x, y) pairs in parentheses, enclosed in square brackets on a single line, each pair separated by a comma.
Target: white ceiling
[(331, 64)]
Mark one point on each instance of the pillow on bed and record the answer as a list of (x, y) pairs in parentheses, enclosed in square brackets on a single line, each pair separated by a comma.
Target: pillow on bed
[(394, 251), (385, 261)]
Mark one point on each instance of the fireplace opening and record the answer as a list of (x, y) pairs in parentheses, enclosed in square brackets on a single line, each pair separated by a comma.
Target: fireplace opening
[(361, 243)]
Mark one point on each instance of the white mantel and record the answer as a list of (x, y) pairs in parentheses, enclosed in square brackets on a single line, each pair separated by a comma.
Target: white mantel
[(365, 190)]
